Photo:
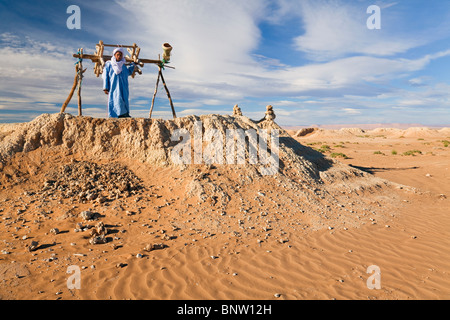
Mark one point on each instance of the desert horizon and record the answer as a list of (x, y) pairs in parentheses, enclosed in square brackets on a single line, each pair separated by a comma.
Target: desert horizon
[(366, 126), (336, 126)]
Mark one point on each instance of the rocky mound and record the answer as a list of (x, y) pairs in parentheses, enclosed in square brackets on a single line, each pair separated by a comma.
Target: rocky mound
[(305, 185), (148, 140)]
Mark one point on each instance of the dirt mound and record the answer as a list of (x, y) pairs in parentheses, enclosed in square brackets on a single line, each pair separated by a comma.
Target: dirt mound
[(445, 131), (146, 140), (304, 131), (390, 132), (420, 132), (77, 151), (339, 133)]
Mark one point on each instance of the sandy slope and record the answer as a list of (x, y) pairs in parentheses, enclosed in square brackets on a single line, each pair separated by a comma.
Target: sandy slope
[(309, 232)]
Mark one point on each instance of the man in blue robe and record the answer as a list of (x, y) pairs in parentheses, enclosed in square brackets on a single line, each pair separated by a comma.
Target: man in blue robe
[(115, 85)]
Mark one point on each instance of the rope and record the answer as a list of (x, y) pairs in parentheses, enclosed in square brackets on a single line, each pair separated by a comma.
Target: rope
[(79, 59), (80, 68), (163, 62)]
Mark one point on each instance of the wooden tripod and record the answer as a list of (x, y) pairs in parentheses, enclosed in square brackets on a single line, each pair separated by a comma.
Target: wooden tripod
[(160, 76), (99, 59)]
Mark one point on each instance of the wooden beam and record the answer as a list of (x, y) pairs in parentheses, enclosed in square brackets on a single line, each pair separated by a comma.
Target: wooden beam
[(118, 46), (95, 58)]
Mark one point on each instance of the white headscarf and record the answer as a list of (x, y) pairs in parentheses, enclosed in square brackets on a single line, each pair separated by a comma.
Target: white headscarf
[(117, 65)]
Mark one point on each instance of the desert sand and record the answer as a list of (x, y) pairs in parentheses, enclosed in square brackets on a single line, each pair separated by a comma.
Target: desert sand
[(341, 201)]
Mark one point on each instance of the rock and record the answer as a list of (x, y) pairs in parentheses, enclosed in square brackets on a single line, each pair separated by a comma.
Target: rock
[(98, 239), (150, 247), (304, 131), (100, 228), (54, 231), (139, 255), (91, 196), (277, 295), (79, 254), (33, 246), (101, 199), (94, 233), (87, 215)]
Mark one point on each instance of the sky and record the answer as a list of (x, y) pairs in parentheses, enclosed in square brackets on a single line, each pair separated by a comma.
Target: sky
[(317, 62)]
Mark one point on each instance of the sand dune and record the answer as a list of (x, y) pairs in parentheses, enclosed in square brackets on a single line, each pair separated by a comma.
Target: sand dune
[(310, 231)]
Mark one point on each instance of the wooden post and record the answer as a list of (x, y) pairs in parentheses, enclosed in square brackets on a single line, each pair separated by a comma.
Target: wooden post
[(80, 77), (168, 93), (154, 95), (75, 81)]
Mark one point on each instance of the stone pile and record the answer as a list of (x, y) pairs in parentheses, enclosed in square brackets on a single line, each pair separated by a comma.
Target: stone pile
[(270, 114), (87, 181), (237, 111)]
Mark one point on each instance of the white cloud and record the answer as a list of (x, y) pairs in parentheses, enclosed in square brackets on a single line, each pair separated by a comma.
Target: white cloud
[(334, 29), (207, 36), (351, 111), (387, 5)]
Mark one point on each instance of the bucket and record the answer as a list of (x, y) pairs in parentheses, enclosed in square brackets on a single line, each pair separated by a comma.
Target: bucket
[(167, 48)]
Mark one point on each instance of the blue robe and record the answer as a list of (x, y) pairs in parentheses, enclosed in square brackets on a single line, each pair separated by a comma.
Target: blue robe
[(117, 85)]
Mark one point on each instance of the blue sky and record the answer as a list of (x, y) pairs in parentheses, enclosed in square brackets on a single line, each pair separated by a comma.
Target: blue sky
[(315, 61)]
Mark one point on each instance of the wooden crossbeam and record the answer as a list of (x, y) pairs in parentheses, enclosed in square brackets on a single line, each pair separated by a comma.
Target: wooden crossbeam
[(95, 58), (119, 46)]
